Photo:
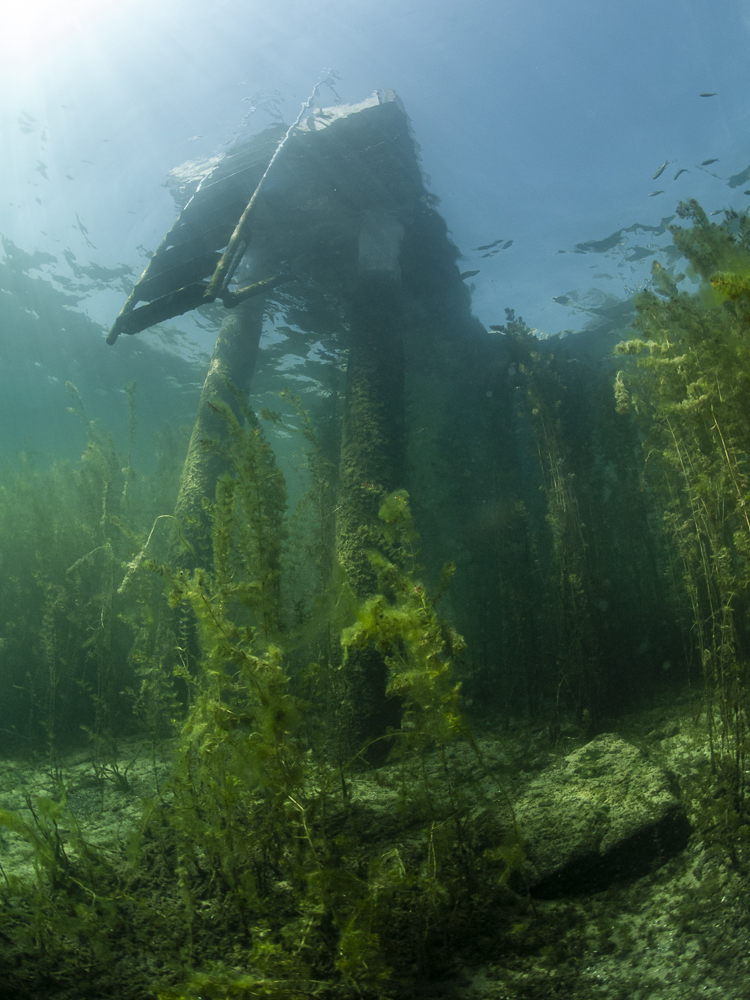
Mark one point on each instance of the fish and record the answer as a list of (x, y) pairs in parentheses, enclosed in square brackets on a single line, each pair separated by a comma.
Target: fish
[(506, 245), (654, 193), (682, 170), (706, 163), (713, 94), (489, 246), (468, 274), (737, 179), (661, 170)]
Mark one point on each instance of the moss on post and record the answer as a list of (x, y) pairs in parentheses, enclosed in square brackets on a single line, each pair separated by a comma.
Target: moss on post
[(233, 363), (371, 466)]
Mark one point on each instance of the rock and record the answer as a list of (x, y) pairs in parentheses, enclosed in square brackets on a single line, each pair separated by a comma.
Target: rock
[(606, 814)]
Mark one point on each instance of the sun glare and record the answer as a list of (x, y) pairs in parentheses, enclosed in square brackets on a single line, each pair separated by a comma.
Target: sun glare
[(36, 33)]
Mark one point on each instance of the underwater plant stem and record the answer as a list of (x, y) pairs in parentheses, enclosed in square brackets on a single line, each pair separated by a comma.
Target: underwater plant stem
[(135, 564), (731, 467)]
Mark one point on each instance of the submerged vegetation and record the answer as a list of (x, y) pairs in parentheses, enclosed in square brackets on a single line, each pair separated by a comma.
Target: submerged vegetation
[(67, 640), (259, 867), (608, 558), (689, 394)]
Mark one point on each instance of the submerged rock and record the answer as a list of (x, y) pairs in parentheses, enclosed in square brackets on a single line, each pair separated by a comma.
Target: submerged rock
[(606, 814)]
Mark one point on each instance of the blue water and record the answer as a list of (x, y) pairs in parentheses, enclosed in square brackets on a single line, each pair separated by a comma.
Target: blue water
[(556, 140), (540, 127)]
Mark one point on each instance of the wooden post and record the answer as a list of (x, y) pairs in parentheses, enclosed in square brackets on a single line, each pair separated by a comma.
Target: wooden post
[(233, 360), (372, 462)]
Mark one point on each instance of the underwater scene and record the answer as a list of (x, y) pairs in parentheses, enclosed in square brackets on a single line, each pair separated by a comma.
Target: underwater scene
[(375, 501)]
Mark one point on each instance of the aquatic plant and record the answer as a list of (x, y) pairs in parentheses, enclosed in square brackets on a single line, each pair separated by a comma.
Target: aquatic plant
[(578, 599), (274, 826), (310, 557), (569, 577), (402, 624), (66, 532), (279, 872), (689, 393)]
